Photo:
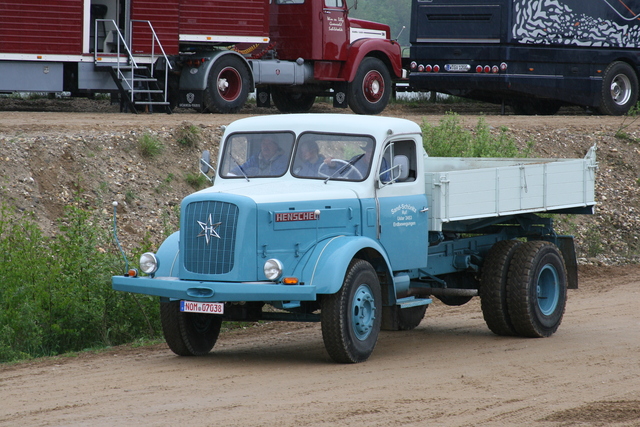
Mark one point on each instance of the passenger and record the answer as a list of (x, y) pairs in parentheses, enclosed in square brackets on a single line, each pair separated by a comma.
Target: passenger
[(271, 161), (309, 160)]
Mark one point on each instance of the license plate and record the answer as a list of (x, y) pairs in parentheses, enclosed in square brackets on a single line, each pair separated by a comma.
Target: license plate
[(457, 68), (202, 307)]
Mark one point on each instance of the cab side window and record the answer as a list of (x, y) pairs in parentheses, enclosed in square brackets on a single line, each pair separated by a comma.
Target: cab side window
[(399, 163)]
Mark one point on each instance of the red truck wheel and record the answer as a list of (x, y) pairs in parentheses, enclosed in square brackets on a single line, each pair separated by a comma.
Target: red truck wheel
[(291, 102), (227, 86), (370, 90)]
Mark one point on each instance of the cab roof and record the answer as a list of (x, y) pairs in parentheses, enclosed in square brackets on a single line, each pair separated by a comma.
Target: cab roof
[(378, 127)]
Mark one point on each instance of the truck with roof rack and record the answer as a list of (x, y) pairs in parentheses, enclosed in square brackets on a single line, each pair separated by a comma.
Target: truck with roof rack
[(346, 221), (207, 56), (535, 56)]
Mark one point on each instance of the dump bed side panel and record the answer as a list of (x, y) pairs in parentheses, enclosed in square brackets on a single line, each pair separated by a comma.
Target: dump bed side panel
[(476, 193)]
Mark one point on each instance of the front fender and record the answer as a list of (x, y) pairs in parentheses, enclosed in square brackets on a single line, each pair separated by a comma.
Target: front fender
[(387, 50), (328, 263), (167, 256)]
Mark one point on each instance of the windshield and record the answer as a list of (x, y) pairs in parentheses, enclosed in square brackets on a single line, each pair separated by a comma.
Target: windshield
[(250, 155), (315, 155), (345, 157)]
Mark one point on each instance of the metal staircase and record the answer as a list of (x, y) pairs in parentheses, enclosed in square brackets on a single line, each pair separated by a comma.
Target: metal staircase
[(138, 87)]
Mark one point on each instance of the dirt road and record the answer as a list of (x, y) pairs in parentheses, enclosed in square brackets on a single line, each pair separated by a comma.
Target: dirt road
[(450, 371)]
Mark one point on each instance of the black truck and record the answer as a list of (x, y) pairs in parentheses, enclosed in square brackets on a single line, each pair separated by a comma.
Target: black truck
[(532, 55)]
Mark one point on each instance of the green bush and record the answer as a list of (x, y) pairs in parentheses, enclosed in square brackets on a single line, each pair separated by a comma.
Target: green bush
[(55, 293), (450, 139)]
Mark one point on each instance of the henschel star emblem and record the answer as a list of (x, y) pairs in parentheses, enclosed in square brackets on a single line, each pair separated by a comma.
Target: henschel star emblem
[(209, 229)]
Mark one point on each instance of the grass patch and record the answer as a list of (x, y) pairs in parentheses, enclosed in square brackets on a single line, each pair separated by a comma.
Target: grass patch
[(196, 180), (189, 135), (150, 146)]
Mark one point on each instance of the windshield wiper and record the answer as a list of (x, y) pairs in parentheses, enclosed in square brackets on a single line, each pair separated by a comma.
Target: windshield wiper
[(350, 164), (240, 167)]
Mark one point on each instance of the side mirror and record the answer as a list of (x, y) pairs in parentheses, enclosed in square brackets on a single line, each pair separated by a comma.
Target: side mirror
[(205, 162), (205, 165)]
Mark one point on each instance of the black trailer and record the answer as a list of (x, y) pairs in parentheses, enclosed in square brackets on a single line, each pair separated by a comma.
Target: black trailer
[(532, 55)]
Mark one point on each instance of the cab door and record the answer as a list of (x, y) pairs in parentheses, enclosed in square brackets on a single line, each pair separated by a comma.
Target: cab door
[(402, 206), (334, 30)]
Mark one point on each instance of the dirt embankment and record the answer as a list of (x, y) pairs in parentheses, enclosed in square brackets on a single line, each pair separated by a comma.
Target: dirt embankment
[(48, 157)]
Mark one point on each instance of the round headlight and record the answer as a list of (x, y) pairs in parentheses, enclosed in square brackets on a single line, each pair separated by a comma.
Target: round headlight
[(273, 269), (148, 263)]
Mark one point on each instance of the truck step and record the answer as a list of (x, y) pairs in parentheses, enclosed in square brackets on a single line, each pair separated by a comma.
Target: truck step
[(151, 102), (413, 302), (146, 91)]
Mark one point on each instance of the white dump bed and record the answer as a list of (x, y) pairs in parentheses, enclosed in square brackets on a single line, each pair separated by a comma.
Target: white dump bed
[(472, 188)]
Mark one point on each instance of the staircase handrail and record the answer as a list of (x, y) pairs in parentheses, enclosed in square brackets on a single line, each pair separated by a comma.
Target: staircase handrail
[(153, 54), (121, 41)]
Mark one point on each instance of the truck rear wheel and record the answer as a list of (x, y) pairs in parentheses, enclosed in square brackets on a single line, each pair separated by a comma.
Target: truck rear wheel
[(619, 89), (370, 90), (351, 317), (287, 101), (493, 287), (189, 334), (536, 289), (227, 85)]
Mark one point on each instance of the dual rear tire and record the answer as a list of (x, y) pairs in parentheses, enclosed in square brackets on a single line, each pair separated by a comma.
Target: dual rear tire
[(523, 289)]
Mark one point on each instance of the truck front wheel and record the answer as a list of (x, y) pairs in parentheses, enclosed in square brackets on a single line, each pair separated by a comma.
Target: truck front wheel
[(351, 318), (370, 90), (189, 334), (287, 101), (227, 85), (493, 287), (619, 89), (536, 289)]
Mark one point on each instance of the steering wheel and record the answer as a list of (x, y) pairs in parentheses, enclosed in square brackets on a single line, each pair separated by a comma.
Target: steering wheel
[(349, 170)]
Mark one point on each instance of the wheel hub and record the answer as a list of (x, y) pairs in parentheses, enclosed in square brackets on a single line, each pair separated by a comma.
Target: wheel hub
[(373, 86), (229, 84), (548, 290), (620, 89), (363, 312)]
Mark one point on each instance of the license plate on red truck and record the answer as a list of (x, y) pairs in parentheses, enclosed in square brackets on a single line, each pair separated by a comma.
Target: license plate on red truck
[(202, 307)]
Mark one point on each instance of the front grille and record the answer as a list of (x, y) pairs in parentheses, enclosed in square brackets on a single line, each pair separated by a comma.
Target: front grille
[(209, 236)]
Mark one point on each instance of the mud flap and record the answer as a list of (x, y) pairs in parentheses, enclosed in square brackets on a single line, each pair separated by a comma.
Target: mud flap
[(568, 249), (263, 97), (340, 95)]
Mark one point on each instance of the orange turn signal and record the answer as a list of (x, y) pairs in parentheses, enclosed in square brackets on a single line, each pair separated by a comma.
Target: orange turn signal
[(290, 280)]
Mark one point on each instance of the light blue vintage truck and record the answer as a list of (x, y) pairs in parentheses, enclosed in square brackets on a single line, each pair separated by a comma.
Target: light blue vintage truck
[(345, 220)]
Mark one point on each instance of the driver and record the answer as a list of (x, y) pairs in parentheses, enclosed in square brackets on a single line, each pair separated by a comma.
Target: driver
[(360, 162)]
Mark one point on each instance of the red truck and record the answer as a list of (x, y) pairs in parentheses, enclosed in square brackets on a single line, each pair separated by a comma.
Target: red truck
[(203, 54)]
